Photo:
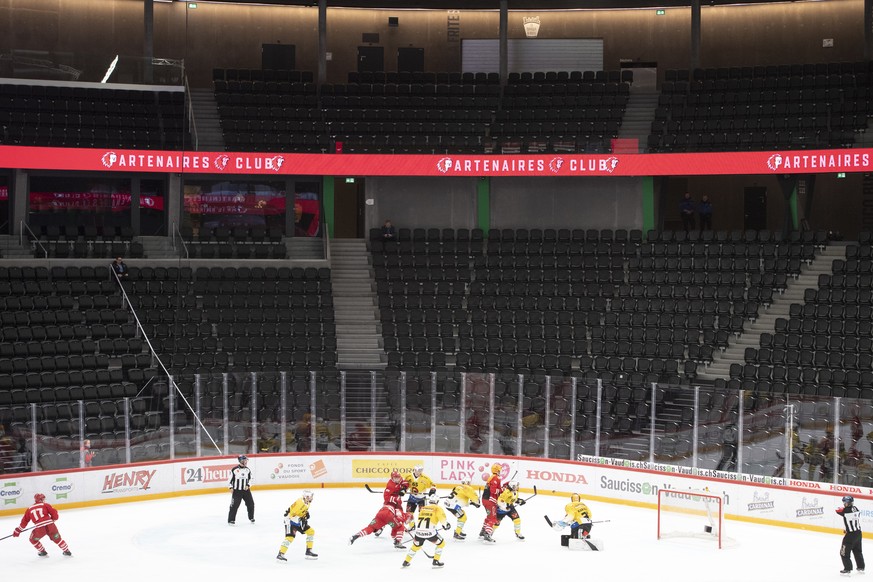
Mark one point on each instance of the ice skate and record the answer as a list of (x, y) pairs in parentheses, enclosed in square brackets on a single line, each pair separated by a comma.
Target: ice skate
[(399, 545), (460, 536), (519, 536), (405, 564), (846, 572), (310, 555), (487, 538), (231, 523), (43, 554), (437, 564), (378, 532), (252, 520), (353, 538), (69, 554), (281, 557)]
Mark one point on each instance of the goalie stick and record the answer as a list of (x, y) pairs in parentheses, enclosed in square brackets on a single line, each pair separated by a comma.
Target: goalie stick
[(590, 545), (549, 521)]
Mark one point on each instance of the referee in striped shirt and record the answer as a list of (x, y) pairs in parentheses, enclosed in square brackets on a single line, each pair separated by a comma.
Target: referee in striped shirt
[(240, 485)]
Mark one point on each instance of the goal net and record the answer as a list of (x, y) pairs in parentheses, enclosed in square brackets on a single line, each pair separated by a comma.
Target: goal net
[(690, 514)]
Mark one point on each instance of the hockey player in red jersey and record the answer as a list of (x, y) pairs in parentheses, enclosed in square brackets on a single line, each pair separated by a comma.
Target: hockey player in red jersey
[(493, 489), (393, 493), (394, 490), (387, 516), (43, 517)]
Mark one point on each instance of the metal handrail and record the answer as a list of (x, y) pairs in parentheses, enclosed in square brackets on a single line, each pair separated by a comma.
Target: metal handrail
[(32, 236), (192, 123), (326, 244), (176, 231)]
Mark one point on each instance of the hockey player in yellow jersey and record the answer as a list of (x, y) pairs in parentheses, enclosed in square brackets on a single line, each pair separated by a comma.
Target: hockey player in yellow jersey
[(420, 486), (429, 524), (578, 517), (297, 520), (506, 506), (460, 497)]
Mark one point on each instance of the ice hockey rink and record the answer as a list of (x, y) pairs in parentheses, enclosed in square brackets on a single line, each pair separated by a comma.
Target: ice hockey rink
[(188, 536)]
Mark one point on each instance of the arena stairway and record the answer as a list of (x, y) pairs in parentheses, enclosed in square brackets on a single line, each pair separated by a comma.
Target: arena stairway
[(357, 325), (766, 321)]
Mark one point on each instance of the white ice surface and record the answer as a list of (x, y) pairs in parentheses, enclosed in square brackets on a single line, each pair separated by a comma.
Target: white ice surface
[(187, 538)]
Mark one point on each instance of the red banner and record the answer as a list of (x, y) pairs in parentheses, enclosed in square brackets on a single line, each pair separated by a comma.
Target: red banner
[(723, 163)]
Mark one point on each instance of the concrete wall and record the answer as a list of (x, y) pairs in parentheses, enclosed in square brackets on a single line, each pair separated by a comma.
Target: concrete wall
[(230, 36), (566, 203), (415, 202)]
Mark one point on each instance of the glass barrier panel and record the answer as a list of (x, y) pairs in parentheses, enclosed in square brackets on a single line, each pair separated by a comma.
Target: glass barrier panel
[(856, 431), (419, 411), (814, 419), (269, 412), (561, 419), (180, 415), (240, 400), (299, 413), (213, 415), (625, 420), (327, 412), (448, 414), (477, 410), (586, 416), (506, 434), (764, 419), (393, 437), (533, 416), (153, 442)]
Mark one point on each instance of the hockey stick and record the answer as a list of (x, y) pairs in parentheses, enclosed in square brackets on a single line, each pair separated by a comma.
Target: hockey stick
[(590, 544), (21, 532), (532, 496), (367, 485), (549, 521)]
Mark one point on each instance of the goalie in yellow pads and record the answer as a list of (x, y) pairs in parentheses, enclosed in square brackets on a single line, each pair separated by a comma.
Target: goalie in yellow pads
[(430, 523), (578, 517)]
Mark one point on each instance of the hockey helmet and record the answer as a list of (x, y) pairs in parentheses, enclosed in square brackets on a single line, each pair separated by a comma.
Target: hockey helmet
[(39, 498), (575, 497), (242, 459), (307, 496), (433, 499), (465, 482), (512, 486), (848, 499), (496, 468), (396, 476), (418, 470)]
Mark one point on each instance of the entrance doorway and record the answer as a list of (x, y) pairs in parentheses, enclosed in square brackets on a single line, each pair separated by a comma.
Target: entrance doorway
[(348, 207), (371, 59), (755, 208), (410, 59)]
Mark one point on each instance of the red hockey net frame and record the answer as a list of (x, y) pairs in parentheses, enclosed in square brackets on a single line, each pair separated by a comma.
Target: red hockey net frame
[(705, 509)]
